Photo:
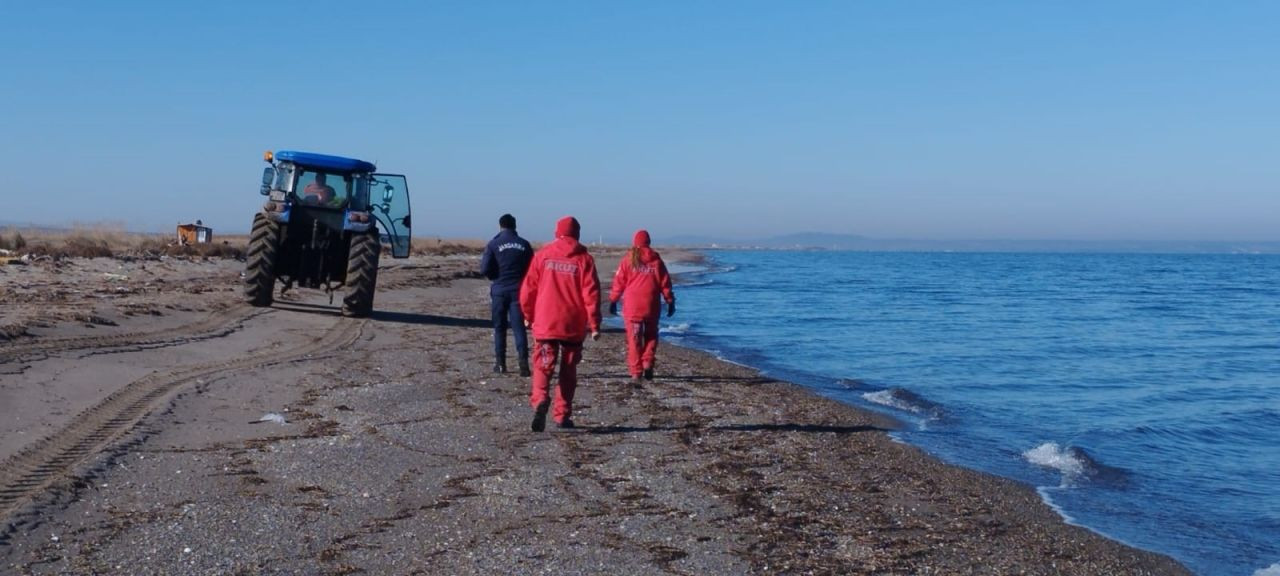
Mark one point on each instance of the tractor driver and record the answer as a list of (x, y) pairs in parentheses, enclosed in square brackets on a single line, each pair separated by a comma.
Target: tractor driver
[(322, 193)]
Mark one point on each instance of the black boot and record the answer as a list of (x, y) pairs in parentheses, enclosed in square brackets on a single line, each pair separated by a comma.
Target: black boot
[(500, 367), (524, 368), (540, 417)]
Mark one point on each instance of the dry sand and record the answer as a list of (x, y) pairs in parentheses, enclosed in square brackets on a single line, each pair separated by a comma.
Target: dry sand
[(130, 395)]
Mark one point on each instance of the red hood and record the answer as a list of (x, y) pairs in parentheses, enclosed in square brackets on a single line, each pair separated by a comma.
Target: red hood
[(640, 247), (564, 246), (568, 226)]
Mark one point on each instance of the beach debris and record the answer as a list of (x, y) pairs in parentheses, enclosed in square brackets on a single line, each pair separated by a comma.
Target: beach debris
[(271, 417)]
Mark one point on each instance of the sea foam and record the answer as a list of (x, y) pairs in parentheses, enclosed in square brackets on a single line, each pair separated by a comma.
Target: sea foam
[(1078, 466), (1272, 570), (904, 400), (1050, 455), (676, 329)]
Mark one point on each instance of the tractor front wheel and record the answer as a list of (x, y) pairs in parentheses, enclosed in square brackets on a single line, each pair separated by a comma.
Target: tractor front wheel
[(362, 274), (260, 267)]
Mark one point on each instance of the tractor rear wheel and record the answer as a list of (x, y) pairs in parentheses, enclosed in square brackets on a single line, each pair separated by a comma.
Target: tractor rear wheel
[(260, 267), (362, 274)]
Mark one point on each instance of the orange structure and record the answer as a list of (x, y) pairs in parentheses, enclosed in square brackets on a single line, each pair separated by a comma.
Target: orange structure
[(196, 233)]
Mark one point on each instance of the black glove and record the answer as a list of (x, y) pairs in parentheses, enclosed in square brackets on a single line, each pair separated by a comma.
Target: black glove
[(671, 308), (613, 308)]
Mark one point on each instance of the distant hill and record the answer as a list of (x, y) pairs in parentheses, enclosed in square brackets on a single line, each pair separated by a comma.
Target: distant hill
[(828, 241), (797, 241)]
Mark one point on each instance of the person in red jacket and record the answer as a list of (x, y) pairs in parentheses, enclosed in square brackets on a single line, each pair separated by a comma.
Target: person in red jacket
[(560, 298), (640, 280)]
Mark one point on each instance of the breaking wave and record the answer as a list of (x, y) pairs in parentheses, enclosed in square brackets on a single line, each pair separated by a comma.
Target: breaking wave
[(851, 383), (1272, 570), (905, 400), (676, 329), (1076, 465)]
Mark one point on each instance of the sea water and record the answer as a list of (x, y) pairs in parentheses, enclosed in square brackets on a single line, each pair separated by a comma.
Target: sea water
[(1139, 393)]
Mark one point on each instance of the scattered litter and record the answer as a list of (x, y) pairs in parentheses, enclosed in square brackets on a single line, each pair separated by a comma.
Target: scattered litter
[(271, 417), (186, 550), (111, 276), (54, 537)]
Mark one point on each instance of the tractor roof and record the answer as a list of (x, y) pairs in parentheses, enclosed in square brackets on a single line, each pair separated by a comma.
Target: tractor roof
[(325, 162)]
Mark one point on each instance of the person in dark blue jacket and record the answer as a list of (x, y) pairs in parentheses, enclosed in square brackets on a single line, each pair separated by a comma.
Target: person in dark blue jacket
[(505, 261)]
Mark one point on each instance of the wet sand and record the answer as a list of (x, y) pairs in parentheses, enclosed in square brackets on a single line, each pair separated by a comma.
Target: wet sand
[(401, 453)]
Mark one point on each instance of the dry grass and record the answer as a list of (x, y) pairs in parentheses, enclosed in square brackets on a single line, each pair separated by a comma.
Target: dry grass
[(112, 241), (105, 241), (447, 247), (474, 247), (12, 240)]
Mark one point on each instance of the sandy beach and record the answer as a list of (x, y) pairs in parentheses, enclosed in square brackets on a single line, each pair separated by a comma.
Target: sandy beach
[(150, 423)]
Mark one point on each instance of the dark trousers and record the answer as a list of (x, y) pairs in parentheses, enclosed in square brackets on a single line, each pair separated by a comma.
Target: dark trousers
[(505, 309)]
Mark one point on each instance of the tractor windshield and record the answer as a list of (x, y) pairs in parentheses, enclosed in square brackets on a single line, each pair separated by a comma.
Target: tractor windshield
[(322, 189)]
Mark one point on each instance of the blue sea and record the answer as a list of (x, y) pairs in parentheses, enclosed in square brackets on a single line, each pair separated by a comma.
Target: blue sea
[(1138, 393)]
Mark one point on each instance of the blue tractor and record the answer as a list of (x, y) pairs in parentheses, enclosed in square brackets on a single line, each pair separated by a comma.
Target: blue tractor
[(323, 227)]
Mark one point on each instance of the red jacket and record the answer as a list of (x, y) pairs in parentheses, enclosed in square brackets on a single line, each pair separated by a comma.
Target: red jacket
[(560, 296), (642, 281)]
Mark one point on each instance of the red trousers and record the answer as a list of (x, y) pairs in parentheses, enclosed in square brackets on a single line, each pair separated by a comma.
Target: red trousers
[(547, 356), (642, 345)]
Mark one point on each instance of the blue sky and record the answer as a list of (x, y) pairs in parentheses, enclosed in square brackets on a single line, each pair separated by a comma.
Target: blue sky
[(1141, 120)]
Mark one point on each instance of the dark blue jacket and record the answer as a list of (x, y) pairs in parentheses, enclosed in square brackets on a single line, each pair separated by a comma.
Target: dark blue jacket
[(505, 261)]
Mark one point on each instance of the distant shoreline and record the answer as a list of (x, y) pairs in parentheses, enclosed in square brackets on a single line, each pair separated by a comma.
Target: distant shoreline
[(788, 242)]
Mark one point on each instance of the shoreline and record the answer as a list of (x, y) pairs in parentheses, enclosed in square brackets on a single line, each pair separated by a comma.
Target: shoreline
[(1034, 513), (403, 453), (702, 265)]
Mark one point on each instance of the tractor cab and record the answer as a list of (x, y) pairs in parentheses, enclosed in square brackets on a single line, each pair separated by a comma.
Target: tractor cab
[(344, 194), (323, 227)]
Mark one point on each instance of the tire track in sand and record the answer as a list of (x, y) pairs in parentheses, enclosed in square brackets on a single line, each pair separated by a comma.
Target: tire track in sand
[(214, 325), (37, 467)]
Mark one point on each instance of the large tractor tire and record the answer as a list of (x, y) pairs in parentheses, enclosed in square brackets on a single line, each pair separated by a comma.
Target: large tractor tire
[(260, 267), (362, 274)]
